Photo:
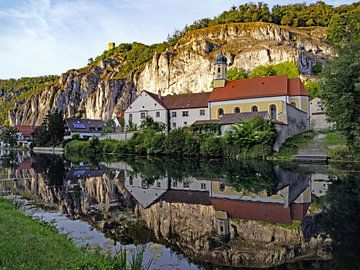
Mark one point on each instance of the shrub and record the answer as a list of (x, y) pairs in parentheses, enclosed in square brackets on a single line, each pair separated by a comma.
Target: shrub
[(122, 148), (156, 144), (191, 146), (175, 142), (340, 152), (212, 147)]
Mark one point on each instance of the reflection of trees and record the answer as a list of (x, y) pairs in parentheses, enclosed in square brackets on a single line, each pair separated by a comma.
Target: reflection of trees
[(250, 176), (342, 220), (51, 167)]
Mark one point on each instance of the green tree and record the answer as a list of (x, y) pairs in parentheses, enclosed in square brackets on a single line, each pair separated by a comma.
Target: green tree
[(262, 71), (340, 92), (313, 89), (52, 130), (149, 122), (9, 135), (109, 127), (236, 74)]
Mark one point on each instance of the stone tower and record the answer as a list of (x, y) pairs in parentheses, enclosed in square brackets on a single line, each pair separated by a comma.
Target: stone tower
[(220, 71), (111, 45)]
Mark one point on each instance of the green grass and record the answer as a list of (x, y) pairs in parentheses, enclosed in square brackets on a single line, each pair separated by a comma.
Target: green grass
[(28, 244), (291, 146), (334, 138)]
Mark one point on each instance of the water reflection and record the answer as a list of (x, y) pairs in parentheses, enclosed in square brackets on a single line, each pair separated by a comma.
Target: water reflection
[(221, 212)]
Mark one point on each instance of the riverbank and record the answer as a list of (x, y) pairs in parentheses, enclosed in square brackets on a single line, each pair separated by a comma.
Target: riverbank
[(29, 244), (332, 143)]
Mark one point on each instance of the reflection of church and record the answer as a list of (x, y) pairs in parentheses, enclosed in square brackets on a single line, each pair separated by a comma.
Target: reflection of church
[(289, 202)]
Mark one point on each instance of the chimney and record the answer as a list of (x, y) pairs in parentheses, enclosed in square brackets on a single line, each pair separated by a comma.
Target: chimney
[(159, 94)]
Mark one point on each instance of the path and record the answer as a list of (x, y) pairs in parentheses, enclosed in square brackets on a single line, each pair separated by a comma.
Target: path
[(315, 151)]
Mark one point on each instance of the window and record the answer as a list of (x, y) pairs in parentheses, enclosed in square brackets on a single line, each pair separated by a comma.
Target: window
[(142, 115), (174, 183), (173, 125), (130, 117), (131, 182), (236, 110), (157, 114), (203, 186), (294, 104), (273, 112), (173, 114), (220, 112), (185, 123), (222, 187), (186, 185), (202, 112), (158, 184), (185, 113), (219, 69), (254, 108)]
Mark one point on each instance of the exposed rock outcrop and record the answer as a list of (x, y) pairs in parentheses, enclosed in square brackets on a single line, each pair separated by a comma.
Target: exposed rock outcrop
[(96, 91)]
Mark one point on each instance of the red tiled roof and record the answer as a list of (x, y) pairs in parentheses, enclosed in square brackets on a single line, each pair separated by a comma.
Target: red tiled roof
[(261, 211), (296, 88), (26, 130), (186, 101), (258, 87)]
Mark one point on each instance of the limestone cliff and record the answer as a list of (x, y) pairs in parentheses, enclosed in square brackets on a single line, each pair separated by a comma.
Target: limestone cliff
[(103, 88)]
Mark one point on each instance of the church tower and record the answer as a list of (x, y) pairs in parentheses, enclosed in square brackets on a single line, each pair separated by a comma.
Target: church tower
[(220, 71)]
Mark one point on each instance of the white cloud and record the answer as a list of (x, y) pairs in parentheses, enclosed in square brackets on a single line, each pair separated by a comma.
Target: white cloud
[(51, 36)]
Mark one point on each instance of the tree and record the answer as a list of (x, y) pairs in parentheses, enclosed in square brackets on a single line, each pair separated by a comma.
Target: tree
[(236, 74), (52, 130), (9, 135), (313, 89), (149, 123), (340, 92), (109, 127)]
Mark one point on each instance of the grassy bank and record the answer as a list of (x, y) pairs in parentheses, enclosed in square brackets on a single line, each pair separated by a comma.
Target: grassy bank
[(29, 244)]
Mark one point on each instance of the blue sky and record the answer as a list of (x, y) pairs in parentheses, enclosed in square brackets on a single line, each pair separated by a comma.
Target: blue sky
[(40, 37)]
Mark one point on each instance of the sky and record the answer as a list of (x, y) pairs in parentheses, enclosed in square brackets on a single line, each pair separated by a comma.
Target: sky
[(42, 37)]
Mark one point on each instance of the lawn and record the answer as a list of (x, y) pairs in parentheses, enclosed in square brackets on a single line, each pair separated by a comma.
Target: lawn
[(29, 244), (334, 138)]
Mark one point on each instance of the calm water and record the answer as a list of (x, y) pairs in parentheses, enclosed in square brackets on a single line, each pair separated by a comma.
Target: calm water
[(196, 214)]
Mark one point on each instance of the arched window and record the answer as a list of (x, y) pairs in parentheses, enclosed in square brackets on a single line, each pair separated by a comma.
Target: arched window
[(293, 104), (273, 113), (236, 110), (220, 112), (254, 108)]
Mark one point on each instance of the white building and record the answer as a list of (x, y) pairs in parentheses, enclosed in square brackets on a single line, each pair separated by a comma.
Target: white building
[(318, 118), (173, 110)]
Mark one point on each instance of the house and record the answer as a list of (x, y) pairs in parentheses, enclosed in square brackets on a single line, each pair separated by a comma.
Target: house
[(318, 119), (86, 128), (265, 94), (173, 110), (25, 134)]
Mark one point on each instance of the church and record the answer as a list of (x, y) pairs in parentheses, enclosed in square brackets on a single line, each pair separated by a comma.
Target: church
[(279, 98)]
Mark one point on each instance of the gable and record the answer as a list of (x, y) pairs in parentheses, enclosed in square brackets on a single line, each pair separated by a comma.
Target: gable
[(145, 101)]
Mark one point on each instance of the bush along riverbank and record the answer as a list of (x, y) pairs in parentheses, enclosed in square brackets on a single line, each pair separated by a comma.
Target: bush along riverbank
[(250, 139), (29, 244)]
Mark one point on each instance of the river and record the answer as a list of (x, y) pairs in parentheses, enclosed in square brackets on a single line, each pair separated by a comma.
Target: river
[(195, 214)]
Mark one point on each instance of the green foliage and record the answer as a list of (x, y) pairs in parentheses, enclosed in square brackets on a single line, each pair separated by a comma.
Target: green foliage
[(257, 142), (51, 131), (312, 88), (236, 74), (149, 123), (8, 135), (109, 127), (345, 27), (14, 91), (284, 68), (212, 129), (29, 244), (340, 92), (317, 68), (212, 147)]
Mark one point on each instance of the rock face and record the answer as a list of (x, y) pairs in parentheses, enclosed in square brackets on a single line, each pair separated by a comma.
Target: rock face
[(96, 92), (192, 229)]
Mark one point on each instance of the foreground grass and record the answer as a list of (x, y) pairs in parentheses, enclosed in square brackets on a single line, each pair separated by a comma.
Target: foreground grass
[(29, 244), (334, 138), (292, 145)]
